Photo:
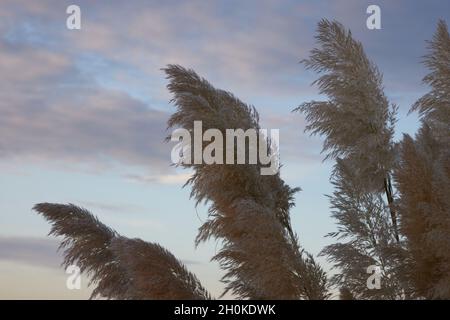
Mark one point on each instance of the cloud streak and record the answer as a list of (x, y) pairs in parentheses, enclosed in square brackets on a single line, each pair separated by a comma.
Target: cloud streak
[(176, 179), (39, 252)]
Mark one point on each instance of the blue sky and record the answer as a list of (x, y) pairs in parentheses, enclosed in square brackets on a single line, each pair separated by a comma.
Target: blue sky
[(83, 113)]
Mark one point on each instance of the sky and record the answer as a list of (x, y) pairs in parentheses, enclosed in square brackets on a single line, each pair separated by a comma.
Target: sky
[(83, 114)]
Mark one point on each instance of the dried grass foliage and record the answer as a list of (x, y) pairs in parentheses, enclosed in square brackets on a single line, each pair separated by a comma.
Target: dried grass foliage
[(249, 213), (120, 268)]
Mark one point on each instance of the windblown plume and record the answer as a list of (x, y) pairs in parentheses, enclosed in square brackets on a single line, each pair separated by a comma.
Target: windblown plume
[(249, 212), (356, 121), (434, 107), (423, 179), (121, 268)]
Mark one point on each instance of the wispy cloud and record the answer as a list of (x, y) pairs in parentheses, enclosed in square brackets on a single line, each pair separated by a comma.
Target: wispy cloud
[(94, 96), (39, 252), (51, 112), (177, 179), (113, 207)]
